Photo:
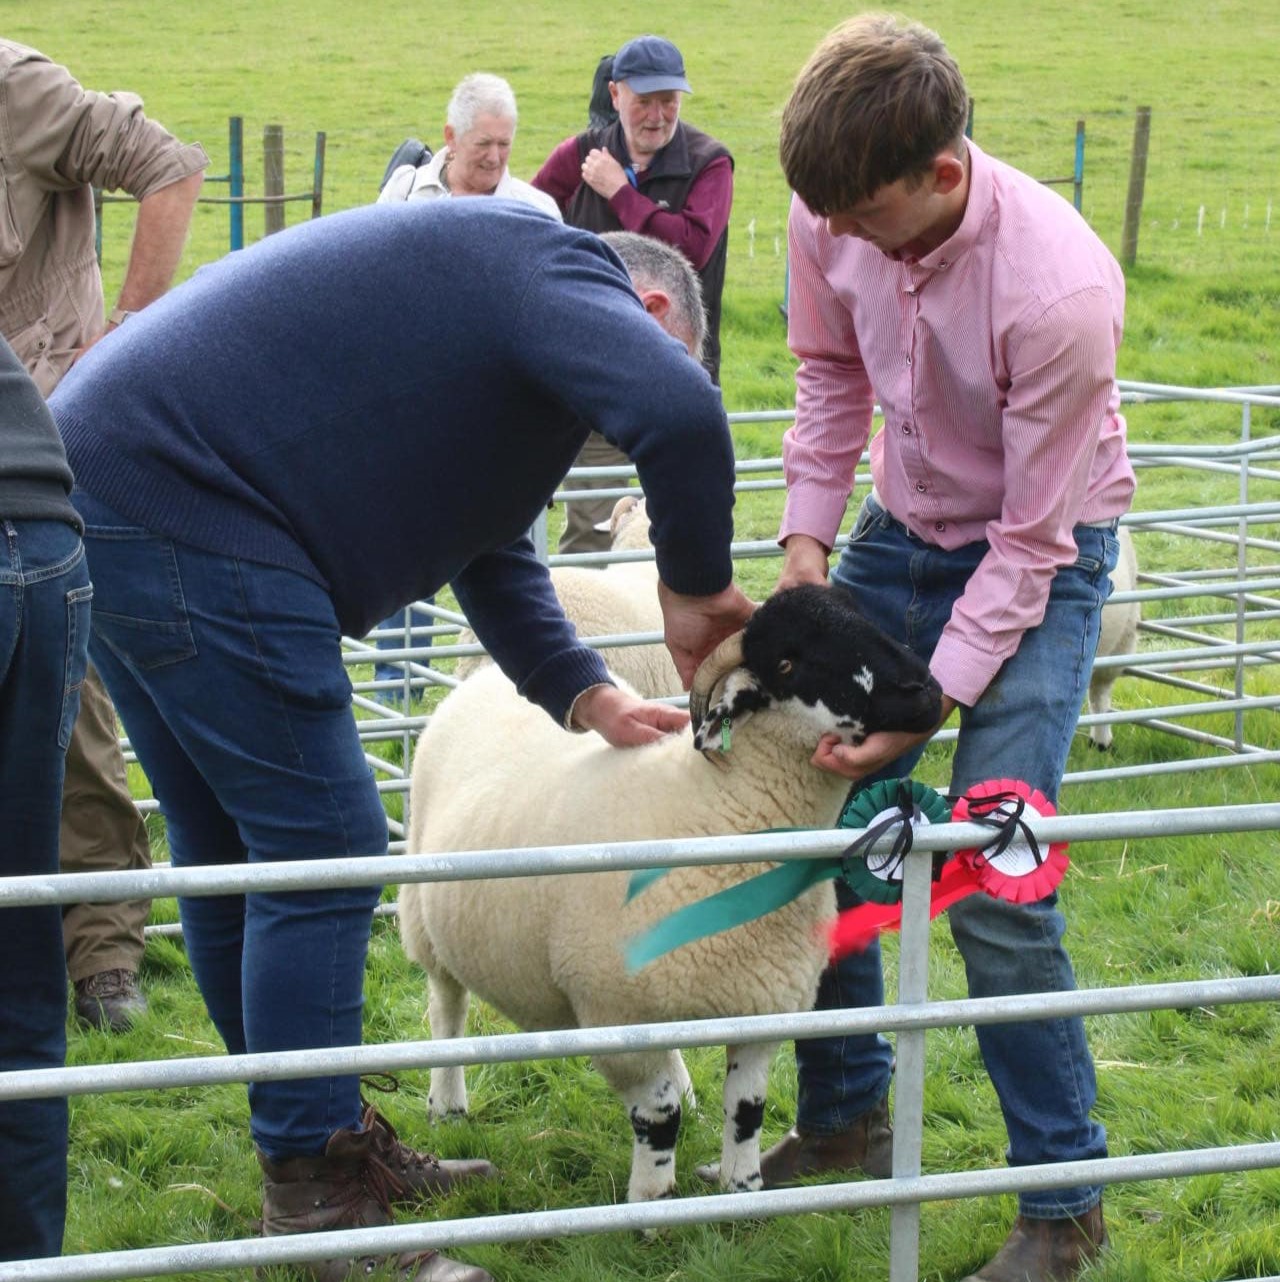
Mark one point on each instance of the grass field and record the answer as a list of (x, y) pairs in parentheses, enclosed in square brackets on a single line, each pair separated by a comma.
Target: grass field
[(1204, 309)]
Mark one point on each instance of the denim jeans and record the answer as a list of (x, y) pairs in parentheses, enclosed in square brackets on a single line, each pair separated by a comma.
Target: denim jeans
[(228, 676), (44, 629), (1021, 728), (394, 696)]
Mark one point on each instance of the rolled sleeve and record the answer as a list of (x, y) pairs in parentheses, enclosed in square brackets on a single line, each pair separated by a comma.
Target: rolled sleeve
[(70, 136)]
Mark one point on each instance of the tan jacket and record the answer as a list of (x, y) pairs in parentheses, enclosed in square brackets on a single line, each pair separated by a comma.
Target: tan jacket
[(58, 140)]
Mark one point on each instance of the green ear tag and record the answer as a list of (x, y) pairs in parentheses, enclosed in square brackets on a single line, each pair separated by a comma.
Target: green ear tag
[(726, 735)]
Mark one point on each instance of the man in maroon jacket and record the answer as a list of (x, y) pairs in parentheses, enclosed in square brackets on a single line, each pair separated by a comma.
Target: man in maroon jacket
[(651, 173)]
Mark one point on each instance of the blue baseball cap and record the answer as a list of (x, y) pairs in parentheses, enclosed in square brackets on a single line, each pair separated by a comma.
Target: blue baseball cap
[(650, 64)]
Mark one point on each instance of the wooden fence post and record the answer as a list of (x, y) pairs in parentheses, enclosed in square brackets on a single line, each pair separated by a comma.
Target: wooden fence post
[(317, 177), (1137, 182), (273, 178)]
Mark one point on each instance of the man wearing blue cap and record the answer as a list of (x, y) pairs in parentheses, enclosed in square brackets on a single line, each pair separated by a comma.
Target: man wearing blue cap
[(651, 173)]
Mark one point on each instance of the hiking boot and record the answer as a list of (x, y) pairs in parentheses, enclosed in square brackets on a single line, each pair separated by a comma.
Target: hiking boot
[(350, 1187), (866, 1145), (1046, 1250), (109, 1000), (421, 1175)]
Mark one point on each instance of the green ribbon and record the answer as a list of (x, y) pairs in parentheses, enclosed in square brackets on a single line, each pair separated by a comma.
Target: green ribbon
[(746, 900), (727, 908)]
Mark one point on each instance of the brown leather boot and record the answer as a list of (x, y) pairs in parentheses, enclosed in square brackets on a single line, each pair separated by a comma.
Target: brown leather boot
[(419, 1175), (866, 1145), (349, 1187), (1046, 1250)]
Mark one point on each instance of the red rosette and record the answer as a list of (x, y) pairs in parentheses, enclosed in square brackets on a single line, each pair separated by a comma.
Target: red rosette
[(1013, 867)]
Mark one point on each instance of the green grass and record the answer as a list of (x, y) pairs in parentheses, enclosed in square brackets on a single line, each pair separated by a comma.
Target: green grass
[(1203, 309)]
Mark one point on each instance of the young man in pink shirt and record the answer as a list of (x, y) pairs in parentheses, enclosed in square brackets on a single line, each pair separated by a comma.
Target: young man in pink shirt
[(984, 315)]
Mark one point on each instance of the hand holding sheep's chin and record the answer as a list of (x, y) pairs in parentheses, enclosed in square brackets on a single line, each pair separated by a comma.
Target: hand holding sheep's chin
[(876, 751), (623, 720)]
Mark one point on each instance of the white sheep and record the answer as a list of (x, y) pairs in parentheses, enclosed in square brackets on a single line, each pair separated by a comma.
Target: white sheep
[(1118, 635), (494, 772), (622, 598)]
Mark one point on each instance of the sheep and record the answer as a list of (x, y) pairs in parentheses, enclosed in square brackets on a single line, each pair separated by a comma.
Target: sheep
[(621, 598), (494, 772), (1119, 635)]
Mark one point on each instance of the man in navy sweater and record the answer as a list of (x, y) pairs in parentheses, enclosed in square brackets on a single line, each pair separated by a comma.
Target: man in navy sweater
[(231, 448)]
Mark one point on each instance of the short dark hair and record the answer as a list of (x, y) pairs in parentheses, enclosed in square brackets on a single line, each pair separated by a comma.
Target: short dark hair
[(878, 99)]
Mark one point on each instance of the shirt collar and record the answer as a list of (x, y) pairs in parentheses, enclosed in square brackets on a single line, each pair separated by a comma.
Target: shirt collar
[(977, 209)]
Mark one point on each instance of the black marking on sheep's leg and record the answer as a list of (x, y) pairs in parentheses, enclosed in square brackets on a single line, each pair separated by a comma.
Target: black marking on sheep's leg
[(745, 1084), (658, 1133), (748, 1119)]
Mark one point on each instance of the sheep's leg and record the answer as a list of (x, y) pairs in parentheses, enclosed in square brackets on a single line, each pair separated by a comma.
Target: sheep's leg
[(745, 1081), (654, 1109), (447, 1002), (684, 1083), (1100, 702)]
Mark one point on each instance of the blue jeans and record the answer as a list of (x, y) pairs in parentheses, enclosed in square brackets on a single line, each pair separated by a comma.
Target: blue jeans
[(228, 676), (44, 629), (1021, 728), (394, 671)]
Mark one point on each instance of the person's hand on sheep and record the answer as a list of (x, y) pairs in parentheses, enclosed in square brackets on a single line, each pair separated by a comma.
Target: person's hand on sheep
[(875, 751), (623, 720), (695, 625)]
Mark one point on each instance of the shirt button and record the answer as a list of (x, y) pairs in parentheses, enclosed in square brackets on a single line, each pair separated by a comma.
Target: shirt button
[(921, 486), (939, 526), (906, 429), (908, 360)]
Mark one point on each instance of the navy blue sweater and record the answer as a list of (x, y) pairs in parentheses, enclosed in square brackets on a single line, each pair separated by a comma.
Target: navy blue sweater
[(385, 399)]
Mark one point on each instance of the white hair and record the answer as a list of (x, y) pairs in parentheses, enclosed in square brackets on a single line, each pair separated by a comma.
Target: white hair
[(479, 94)]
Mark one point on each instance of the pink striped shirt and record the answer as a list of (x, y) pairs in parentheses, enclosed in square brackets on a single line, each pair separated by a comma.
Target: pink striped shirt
[(993, 358)]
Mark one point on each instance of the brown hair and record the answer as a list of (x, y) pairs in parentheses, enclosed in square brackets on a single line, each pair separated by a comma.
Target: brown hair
[(878, 99)]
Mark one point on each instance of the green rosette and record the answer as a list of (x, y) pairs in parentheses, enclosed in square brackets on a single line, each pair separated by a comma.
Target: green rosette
[(892, 806)]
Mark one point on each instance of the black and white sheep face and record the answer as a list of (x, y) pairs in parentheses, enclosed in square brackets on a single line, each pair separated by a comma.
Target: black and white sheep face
[(808, 649)]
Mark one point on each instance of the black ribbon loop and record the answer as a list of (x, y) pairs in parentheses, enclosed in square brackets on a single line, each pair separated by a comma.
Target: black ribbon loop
[(889, 865), (988, 812)]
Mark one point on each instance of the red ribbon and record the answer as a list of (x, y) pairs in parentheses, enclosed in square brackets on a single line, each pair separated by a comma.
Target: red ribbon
[(1009, 867)]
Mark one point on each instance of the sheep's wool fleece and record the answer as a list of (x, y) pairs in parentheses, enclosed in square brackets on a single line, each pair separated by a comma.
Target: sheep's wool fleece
[(547, 950)]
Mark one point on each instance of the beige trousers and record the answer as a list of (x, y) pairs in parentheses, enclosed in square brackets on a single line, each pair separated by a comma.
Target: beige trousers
[(582, 516), (102, 831)]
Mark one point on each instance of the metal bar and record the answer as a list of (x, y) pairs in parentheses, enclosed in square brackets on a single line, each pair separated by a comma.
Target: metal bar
[(377, 870), (908, 1091), (214, 1070), (636, 1216), (236, 181)]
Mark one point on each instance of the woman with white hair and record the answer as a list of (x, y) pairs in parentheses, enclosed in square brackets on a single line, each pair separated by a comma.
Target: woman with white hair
[(480, 125)]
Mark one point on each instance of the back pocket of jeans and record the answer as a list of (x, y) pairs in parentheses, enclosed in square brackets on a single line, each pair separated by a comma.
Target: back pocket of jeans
[(139, 612)]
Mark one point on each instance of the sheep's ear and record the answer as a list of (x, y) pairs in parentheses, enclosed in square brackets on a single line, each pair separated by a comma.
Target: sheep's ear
[(739, 696)]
